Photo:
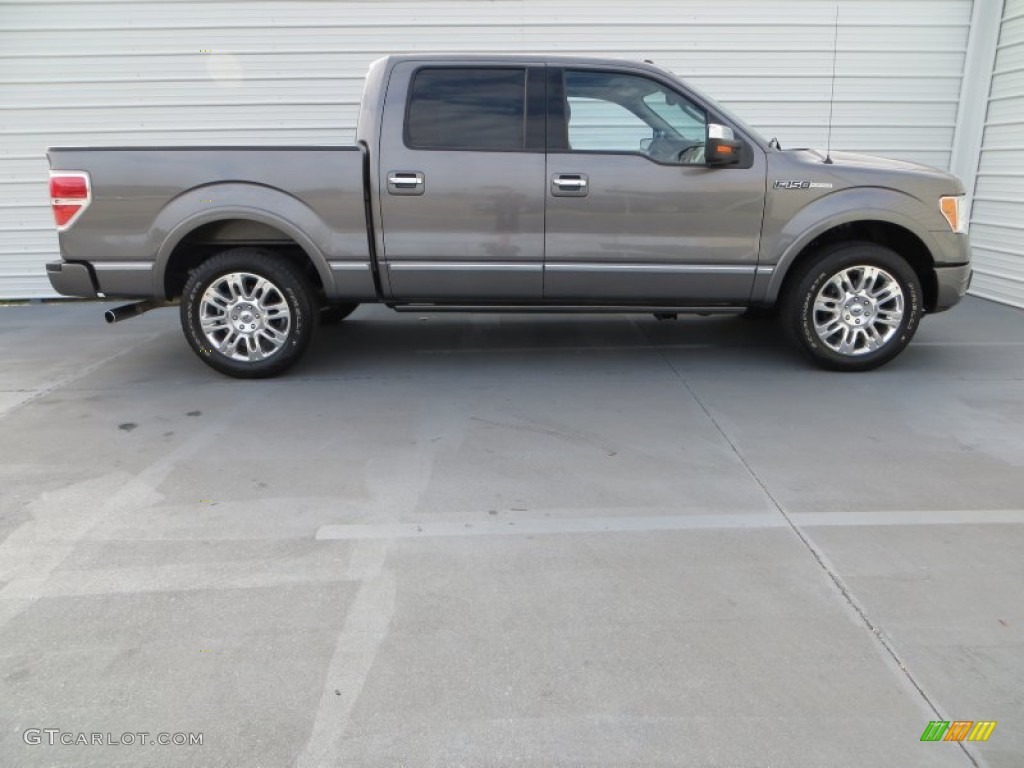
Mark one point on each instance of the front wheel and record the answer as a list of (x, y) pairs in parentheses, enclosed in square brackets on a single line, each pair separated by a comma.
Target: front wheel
[(248, 313), (855, 308)]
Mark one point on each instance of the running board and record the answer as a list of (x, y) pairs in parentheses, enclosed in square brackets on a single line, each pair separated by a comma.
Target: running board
[(631, 309)]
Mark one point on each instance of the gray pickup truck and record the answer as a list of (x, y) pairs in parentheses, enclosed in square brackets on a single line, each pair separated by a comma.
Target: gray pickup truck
[(513, 183)]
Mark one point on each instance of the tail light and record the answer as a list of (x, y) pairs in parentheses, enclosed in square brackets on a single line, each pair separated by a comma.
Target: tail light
[(70, 194)]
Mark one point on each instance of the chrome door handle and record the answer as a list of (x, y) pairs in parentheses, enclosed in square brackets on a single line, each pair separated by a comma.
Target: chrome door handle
[(406, 182), (569, 185)]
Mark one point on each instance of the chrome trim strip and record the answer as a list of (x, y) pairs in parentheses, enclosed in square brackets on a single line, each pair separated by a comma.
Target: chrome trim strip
[(765, 270), (348, 266), (682, 268), (122, 266), (469, 266), (740, 269)]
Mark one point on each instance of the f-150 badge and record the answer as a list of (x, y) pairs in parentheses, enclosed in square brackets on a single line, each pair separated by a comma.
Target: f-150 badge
[(802, 185)]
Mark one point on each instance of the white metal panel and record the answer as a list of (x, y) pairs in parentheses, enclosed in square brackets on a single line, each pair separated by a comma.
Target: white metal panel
[(128, 72), (997, 217)]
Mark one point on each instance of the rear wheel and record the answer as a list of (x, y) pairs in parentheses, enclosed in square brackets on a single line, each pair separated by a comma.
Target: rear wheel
[(248, 313), (855, 308)]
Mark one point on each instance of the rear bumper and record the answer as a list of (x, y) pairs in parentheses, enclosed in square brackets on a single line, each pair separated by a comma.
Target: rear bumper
[(952, 283), (113, 279), (71, 279)]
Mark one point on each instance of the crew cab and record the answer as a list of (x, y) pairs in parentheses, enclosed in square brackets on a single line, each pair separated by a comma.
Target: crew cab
[(513, 183)]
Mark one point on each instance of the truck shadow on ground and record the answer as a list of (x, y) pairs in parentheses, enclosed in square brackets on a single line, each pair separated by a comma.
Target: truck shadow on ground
[(383, 343)]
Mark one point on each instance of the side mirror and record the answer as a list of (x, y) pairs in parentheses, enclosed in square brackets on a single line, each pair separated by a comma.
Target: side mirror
[(721, 147)]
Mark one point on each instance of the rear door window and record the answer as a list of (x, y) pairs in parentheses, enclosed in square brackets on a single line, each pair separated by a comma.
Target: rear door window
[(474, 108)]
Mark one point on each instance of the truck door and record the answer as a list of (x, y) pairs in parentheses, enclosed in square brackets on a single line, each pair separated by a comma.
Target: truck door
[(633, 213), (461, 183)]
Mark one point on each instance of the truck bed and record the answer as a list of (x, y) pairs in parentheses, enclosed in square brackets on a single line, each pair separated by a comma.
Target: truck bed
[(143, 195)]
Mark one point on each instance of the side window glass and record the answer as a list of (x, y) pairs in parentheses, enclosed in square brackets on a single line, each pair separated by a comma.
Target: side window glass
[(467, 108), (685, 118), (614, 112), (604, 125)]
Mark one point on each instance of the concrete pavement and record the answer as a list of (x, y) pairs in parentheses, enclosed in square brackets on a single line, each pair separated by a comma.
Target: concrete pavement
[(511, 540)]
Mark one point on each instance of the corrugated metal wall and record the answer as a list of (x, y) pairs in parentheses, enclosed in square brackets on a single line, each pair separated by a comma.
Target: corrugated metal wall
[(997, 218), (109, 73)]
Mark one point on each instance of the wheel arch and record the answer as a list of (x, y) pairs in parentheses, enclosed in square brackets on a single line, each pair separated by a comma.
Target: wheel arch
[(265, 217), (897, 238)]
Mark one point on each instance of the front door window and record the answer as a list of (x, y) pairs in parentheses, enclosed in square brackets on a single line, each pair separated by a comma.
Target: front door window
[(615, 112)]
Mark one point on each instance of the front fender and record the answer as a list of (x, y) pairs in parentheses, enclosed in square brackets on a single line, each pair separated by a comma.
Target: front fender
[(785, 238), (254, 202)]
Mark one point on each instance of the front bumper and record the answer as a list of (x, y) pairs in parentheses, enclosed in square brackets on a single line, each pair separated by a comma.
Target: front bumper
[(952, 283), (71, 279), (952, 255)]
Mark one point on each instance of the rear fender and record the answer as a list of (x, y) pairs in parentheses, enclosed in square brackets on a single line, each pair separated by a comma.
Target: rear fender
[(252, 202)]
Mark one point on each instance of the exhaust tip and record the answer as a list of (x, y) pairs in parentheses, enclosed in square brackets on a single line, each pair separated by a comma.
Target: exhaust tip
[(118, 314)]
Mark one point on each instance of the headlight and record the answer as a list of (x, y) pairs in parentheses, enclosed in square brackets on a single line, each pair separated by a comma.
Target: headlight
[(955, 213)]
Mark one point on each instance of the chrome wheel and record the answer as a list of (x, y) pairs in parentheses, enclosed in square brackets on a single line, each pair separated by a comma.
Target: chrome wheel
[(244, 316), (858, 310)]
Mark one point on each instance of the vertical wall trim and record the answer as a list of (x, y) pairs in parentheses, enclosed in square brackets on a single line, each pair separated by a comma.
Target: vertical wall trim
[(975, 86)]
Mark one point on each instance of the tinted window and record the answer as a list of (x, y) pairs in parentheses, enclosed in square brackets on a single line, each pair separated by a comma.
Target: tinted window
[(467, 109)]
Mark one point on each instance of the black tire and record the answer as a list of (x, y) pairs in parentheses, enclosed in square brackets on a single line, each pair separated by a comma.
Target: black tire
[(335, 313), (290, 297), (866, 351)]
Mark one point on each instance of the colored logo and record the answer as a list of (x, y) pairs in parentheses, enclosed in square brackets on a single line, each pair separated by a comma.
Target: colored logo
[(958, 730)]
